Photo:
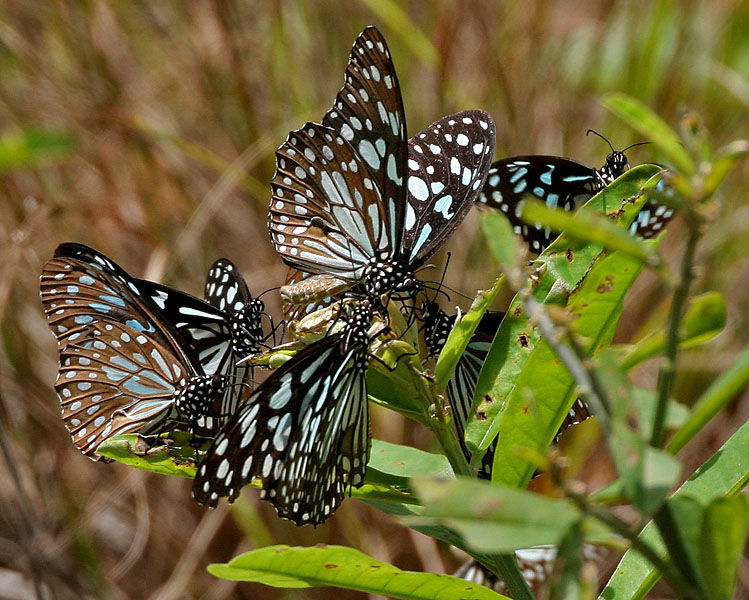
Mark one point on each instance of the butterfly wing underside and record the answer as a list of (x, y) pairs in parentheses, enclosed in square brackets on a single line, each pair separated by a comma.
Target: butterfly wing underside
[(114, 379), (304, 432)]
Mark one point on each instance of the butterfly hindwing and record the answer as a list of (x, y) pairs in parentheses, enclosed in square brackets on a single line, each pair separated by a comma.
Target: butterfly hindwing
[(114, 379), (447, 167), (304, 432), (327, 215)]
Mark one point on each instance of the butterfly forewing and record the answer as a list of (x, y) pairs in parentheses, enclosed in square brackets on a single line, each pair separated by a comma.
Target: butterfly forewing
[(447, 166), (225, 288), (114, 379), (558, 182), (368, 112), (327, 214)]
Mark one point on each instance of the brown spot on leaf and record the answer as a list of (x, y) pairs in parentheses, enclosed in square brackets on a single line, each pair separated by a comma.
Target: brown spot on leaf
[(518, 311), (488, 399), (610, 278), (399, 463), (604, 288), (570, 256), (331, 566), (523, 340), (526, 410), (481, 415)]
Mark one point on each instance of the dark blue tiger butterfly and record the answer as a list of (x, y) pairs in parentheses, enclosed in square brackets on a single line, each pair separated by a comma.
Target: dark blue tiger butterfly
[(535, 564), (135, 353), (304, 431), (357, 203), (460, 388), (563, 183)]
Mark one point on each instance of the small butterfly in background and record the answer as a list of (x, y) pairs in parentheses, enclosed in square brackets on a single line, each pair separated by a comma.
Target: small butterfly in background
[(560, 183), (84, 293), (536, 565), (460, 388), (359, 204), (304, 431)]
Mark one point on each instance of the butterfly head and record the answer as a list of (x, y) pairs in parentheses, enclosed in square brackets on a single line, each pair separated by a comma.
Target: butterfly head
[(383, 275), (616, 164)]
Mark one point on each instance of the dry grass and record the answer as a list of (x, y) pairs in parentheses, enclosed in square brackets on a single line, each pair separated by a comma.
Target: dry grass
[(176, 109)]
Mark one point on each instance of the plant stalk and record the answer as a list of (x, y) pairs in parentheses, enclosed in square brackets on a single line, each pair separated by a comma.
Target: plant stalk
[(667, 374), (669, 572)]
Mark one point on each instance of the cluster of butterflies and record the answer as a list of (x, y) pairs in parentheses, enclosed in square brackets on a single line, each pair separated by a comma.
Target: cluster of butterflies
[(357, 209)]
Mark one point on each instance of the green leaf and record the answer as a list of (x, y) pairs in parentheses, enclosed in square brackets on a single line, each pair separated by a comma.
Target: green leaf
[(724, 474), (638, 116), (347, 568), (541, 395), (567, 582), (460, 336), (644, 402), (393, 464), (720, 393), (496, 519), (679, 524), (588, 227), (34, 147), (560, 269), (501, 239), (131, 449), (722, 539), (725, 159), (705, 318)]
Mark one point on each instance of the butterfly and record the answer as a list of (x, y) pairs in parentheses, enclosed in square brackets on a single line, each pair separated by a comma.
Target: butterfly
[(82, 288), (304, 431), (114, 379), (356, 201), (563, 183), (460, 388), (536, 565)]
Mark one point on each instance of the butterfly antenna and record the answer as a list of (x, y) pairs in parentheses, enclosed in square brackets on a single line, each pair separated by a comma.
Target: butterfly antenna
[(454, 291), (637, 144), (278, 287), (600, 136), (437, 290)]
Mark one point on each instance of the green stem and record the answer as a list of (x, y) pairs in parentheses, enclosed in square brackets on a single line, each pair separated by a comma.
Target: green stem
[(667, 373), (505, 567), (448, 441), (720, 393), (670, 574)]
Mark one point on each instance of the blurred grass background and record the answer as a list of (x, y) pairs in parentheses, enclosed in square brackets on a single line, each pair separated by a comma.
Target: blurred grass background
[(147, 130)]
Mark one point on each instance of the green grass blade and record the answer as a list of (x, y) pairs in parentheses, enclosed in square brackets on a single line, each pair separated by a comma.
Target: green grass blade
[(720, 393), (704, 319)]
